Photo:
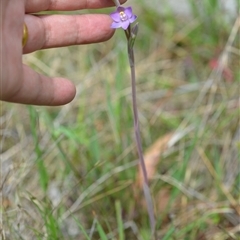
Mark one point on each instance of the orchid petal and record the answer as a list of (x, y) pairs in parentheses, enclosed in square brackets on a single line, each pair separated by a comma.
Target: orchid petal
[(128, 12), (125, 24), (115, 16), (116, 25), (121, 9), (132, 19)]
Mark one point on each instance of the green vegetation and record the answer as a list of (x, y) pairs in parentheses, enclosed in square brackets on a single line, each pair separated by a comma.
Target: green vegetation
[(71, 172)]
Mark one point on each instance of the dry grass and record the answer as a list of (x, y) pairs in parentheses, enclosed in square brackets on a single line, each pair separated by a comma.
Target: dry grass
[(67, 165)]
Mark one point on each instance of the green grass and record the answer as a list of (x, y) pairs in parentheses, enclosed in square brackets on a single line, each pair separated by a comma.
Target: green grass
[(70, 172)]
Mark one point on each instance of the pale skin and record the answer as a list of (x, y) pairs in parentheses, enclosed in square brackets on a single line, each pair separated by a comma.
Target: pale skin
[(18, 82)]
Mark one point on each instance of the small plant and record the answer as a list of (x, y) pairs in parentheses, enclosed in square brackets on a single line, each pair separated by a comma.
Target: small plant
[(123, 18)]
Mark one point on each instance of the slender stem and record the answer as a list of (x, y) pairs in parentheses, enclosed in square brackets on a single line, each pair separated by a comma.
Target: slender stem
[(116, 3), (146, 188)]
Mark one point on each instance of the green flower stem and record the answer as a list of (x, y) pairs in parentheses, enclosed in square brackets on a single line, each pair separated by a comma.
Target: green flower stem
[(116, 3), (131, 33), (146, 188)]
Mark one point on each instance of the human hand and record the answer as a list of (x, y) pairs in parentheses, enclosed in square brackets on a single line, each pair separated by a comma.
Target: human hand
[(18, 82)]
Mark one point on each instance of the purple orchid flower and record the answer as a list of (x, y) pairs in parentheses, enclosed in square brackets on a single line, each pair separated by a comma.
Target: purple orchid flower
[(122, 17)]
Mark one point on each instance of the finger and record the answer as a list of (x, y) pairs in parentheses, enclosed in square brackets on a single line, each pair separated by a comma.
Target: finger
[(62, 30), (37, 89), (60, 5)]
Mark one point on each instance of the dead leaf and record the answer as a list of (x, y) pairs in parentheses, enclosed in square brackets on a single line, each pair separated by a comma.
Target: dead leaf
[(152, 157)]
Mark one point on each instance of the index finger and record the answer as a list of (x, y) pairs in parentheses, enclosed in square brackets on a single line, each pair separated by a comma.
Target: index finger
[(33, 6)]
